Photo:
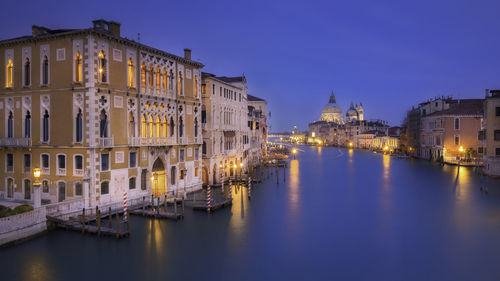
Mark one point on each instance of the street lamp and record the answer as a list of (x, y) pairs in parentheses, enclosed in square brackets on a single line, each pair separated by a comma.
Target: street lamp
[(294, 151), (461, 149), (350, 144), (386, 148), (37, 196)]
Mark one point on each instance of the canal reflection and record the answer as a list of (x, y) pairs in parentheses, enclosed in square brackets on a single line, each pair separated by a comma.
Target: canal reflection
[(237, 224), (154, 241), (36, 267), (294, 186)]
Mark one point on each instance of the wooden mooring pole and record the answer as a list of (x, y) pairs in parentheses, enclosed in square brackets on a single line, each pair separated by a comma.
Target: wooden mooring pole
[(110, 217), (98, 214), (284, 173), (277, 175), (117, 225), (128, 222)]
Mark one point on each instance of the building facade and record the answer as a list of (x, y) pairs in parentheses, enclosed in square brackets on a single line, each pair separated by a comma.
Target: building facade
[(490, 136), (257, 123), (226, 133), (99, 114)]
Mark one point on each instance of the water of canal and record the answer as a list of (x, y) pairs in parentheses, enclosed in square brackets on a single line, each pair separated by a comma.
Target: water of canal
[(341, 215)]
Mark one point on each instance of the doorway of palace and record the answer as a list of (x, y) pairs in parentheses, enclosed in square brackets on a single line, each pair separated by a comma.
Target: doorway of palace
[(27, 189), (159, 183), (214, 174), (10, 188), (62, 191)]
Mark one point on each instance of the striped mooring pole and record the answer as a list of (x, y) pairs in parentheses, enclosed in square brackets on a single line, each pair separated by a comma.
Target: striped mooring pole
[(230, 189), (249, 187), (209, 198), (222, 186), (125, 206)]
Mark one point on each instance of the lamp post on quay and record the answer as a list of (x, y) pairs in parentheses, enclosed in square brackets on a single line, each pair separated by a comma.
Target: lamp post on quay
[(37, 200), (294, 152)]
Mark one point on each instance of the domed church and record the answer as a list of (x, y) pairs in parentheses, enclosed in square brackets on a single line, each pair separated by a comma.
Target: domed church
[(332, 112)]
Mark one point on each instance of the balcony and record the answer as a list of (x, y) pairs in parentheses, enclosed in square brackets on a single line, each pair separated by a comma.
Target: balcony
[(19, 142), (134, 141), (78, 173), (45, 171), (183, 140), (61, 172), (198, 140), (106, 142), (153, 141)]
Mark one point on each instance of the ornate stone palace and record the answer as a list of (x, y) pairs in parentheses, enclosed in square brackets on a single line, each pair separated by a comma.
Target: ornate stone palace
[(100, 114)]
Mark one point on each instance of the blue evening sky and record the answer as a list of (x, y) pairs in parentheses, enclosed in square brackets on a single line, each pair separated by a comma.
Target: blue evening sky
[(389, 55)]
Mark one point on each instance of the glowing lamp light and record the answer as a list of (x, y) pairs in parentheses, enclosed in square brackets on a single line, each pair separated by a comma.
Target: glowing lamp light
[(351, 144), (220, 166), (386, 148), (100, 70), (234, 166), (294, 151), (37, 173), (313, 134), (241, 165), (461, 149)]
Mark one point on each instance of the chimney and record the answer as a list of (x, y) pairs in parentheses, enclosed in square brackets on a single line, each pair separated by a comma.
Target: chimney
[(38, 30), (112, 27), (187, 54)]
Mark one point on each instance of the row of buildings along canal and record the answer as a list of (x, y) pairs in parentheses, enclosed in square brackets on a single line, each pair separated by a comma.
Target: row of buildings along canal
[(465, 131), (101, 115)]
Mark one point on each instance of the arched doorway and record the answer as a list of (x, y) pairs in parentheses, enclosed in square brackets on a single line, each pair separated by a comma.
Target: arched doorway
[(214, 174), (159, 184), (204, 176)]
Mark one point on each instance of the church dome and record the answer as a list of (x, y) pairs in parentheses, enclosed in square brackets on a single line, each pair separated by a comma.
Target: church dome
[(351, 113), (331, 106)]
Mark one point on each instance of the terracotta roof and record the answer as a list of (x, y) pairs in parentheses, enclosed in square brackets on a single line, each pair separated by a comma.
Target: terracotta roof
[(470, 107)]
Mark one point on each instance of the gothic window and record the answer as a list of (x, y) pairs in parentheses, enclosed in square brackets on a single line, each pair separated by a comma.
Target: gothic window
[(79, 126), (151, 76), (158, 78), (171, 80), (10, 74), (103, 68), (204, 148), (131, 73), (143, 75), (45, 127), (78, 67), (195, 126), (164, 79), (103, 124), (27, 125), (172, 126), (144, 127), (131, 125), (181, 127), (45, 71), (159, 127), (203, 114), (179, 87), (151, 127), (27, 70), (165, 127)]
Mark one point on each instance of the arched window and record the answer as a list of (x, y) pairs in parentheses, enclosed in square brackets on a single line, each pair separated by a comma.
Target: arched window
[(171, 80), (27, 72), (10, 125), (173, 175), (158, 78), (196, 86), (78, 67), (165, 127), (27, 125), (103, 68), (144, 127), (45, 71), (196, 126), (151, 127), (131, 73), (158, 127), (179, 86), (103, 124), (164, 75), (203, 114), (172, 126), (10, 74), (79, 126), (204, 148), (151, 76), (181, 127), (143, 75), (45, 127), (131, 125)]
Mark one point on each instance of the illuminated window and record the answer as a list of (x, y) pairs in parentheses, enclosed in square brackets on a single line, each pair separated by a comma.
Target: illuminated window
[(158, 127), (27, 74), (10, 74), (203, 89), (78, 67), (144, 127), (158, 78), (131, 73), (143, 75), (45, 71), (195, 87), (151, 76), (103, 68), (165, 127), (179, 86), (164, 79), (151, 127)]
